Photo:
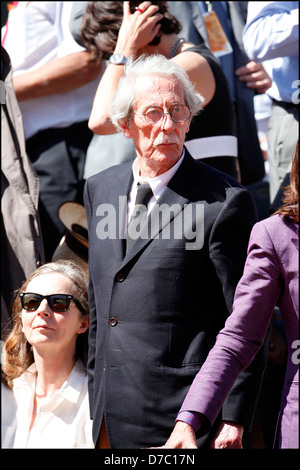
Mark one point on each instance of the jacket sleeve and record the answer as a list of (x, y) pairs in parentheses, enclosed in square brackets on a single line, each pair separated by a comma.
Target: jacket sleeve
[(93, 316), (233, 227), (272, 30)]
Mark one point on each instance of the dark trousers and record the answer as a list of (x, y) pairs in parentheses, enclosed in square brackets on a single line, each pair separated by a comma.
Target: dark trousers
[(58, 156)]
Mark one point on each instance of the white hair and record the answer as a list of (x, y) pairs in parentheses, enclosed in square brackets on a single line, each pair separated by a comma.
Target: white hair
[(156, 64)]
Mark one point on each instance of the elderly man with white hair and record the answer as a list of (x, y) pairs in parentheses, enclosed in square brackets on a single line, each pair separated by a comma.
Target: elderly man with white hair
[(167, 244)]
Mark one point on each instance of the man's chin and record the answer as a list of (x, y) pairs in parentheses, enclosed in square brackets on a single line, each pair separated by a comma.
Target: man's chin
[(167, 153)]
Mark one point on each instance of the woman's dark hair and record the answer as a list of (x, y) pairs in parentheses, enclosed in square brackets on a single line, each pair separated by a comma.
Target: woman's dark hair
[(102, 21), (290, 207)]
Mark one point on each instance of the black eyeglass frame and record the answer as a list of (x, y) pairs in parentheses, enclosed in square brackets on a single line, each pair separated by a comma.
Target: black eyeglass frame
[(67, 297)]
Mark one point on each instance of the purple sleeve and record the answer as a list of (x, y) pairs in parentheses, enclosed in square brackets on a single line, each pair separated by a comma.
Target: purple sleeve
[(192, 418), (244, 331)]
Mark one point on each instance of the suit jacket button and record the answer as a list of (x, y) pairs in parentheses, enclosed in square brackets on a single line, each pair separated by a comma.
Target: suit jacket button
[(120, 277), (112, 321)]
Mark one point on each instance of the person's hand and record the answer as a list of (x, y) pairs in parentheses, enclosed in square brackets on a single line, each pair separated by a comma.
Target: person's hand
[(255, 76), (137, 29), (228, 436), (182, 437)]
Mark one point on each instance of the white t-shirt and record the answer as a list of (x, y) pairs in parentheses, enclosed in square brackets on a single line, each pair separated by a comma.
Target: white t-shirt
[(36, 33)]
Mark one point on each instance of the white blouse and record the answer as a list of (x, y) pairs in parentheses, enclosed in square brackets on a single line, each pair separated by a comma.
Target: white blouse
[(62, 421)]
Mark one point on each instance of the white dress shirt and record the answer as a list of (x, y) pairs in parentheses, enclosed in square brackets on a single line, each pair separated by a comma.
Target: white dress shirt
[(62, 421), (271, 36), (157, 184)]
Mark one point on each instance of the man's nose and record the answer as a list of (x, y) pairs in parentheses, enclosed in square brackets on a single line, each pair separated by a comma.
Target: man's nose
[(167, 123)]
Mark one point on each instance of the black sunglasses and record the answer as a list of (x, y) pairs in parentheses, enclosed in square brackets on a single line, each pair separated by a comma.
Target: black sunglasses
[(57, 302)]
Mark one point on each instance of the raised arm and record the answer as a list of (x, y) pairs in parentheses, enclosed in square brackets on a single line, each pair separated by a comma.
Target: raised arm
[(58, 76), (137, 30)]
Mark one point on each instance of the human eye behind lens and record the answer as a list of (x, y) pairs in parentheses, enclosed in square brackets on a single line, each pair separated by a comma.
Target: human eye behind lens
[(153, 112), (59, 299), (31, 301), (177, 109)]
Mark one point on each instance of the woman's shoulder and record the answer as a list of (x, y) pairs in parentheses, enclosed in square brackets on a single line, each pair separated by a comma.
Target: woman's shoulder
[(200, 49), (277, 228), (278, 222)]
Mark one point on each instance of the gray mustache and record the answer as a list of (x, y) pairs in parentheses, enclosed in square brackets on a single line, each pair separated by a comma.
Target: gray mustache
[(165, 139)]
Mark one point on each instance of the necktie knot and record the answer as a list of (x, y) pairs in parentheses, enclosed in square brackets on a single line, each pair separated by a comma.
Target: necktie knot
[(139, 215), (144, 194)]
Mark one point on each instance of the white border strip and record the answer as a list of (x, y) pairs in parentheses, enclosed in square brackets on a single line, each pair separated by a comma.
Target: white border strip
[(216, 146)]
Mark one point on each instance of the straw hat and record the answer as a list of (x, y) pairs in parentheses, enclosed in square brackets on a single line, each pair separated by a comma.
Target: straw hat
[(74, 244), (73, 216)]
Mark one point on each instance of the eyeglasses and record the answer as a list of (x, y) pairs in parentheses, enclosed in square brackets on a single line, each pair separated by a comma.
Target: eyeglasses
[(57, 302), (153, 115)]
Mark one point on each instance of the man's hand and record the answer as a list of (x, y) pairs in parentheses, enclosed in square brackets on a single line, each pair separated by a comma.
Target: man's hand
[(228, 436), (255, 76), (182, 437)]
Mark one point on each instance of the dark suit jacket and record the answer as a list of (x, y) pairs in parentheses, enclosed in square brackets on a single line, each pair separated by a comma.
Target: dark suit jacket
[(193, 29), (155, 313)]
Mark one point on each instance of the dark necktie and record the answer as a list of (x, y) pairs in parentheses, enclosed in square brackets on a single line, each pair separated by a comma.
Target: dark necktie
[(139, 215)]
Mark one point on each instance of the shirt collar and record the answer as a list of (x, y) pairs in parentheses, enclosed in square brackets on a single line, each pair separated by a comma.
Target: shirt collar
[(70, 390), (158, 182), (27, 378)]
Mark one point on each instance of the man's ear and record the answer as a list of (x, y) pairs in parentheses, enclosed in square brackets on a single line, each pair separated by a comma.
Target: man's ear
[(188, 127), (125, 129)]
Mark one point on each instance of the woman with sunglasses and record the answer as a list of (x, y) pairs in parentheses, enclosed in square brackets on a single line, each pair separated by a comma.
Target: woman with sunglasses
[(45, 399)]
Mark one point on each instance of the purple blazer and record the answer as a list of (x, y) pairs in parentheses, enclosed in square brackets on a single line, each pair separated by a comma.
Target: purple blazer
[(271, 277)]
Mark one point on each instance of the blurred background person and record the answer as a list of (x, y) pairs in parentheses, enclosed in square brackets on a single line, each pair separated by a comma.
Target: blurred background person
[(55, 83), (22, 249), (271, 36), (246, 78)]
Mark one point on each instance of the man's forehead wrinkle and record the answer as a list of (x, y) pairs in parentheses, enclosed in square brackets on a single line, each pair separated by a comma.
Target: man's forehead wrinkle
[(153, 93)]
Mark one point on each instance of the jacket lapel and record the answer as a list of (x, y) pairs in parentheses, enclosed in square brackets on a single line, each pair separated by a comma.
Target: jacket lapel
[(174, 197), (118, 198)]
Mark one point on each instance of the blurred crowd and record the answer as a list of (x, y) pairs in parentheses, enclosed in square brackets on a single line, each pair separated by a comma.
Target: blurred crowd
[(61, 66)]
